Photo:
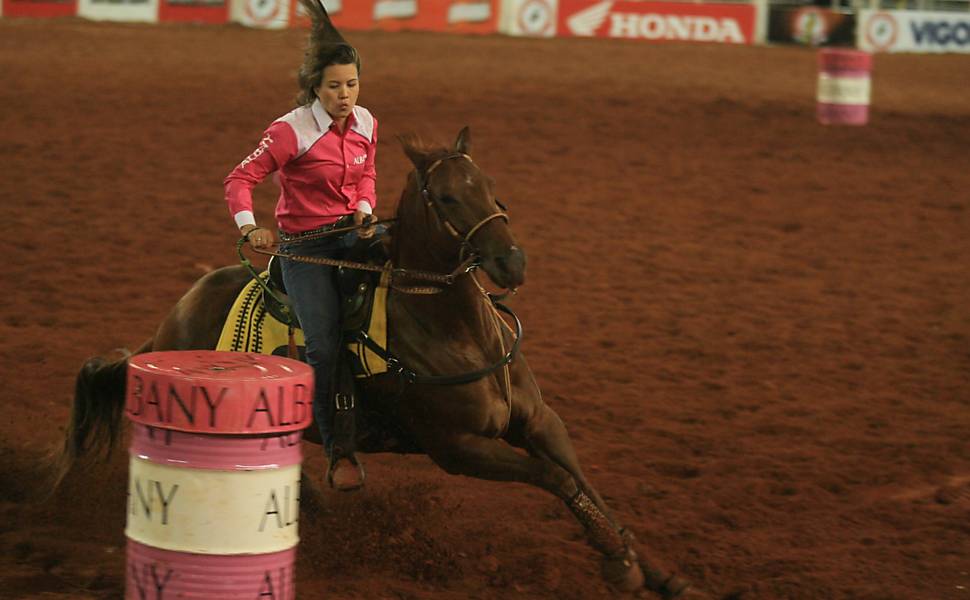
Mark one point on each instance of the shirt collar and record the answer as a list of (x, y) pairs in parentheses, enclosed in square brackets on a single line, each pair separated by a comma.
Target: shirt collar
[(324, 120)]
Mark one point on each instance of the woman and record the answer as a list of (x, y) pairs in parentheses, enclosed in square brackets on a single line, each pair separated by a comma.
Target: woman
[(324, 153)]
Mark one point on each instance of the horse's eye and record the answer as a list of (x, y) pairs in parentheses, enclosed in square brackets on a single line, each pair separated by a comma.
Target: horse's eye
[(446, 199)]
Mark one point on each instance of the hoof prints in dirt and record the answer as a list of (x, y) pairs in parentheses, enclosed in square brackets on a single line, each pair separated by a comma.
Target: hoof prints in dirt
[(395, 532)]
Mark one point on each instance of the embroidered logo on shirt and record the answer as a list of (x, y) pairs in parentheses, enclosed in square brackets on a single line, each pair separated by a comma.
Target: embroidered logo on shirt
[(359, 160), (263, 145)]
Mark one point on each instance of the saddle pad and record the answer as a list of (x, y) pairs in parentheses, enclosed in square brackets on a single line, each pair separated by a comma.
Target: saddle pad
[(250, 328)]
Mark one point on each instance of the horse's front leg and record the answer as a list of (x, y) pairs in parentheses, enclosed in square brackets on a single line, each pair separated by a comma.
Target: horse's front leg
[(486, 458), (543, 434)]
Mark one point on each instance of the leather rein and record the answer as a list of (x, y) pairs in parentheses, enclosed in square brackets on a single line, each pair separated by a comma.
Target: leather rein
[(466, 265)]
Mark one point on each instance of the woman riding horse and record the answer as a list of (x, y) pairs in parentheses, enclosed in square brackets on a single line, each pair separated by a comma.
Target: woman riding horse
[(492, 426), (324, 153), (447, 213)]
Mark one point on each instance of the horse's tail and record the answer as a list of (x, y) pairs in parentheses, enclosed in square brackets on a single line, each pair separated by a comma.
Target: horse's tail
[(95, 422)]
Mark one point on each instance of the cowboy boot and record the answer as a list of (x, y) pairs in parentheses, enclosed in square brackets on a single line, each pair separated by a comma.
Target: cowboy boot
[(345, 473)]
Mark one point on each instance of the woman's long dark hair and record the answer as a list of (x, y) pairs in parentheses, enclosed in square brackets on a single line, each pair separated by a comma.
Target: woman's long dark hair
[(325, 47)]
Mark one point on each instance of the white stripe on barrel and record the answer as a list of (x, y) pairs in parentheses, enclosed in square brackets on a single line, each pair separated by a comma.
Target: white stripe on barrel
[(214, 479), (844, 86)]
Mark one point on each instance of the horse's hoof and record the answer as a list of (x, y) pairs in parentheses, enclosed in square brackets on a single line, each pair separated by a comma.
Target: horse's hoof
[(681, 589), (668, 585), (623, 572)]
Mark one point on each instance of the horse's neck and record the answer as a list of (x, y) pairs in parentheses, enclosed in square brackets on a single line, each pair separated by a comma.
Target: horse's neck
[(458, 302), (419, 245), (450, 332)]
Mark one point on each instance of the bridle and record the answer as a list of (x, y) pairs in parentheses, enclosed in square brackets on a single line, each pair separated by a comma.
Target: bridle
[(430, 202)]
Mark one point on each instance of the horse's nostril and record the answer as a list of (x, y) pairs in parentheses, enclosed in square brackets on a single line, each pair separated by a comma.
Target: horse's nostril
[(516, 257), (508, 267)]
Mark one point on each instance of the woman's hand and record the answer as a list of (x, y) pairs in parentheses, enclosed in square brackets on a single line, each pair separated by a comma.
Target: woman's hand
[(259, 237), (361, 218)]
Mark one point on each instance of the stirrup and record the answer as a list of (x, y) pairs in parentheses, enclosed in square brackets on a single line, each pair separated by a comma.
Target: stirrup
[(353, 462)]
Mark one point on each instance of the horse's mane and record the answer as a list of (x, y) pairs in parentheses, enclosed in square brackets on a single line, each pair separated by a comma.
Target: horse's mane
[(422, 154), (417, 147)]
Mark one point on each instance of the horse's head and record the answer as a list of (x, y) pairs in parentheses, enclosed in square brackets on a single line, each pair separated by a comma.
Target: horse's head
[(459, 207)]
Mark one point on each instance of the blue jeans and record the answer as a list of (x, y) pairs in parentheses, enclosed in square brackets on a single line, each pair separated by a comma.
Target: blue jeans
[(313, 291)]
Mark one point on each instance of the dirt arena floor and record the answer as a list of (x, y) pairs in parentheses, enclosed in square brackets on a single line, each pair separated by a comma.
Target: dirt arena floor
[(756, 328)]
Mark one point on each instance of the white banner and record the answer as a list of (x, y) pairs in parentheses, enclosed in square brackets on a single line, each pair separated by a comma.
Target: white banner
[(395, 9), (913, 31), (119, 10), (470, 11), (533, 18), (213, 512)]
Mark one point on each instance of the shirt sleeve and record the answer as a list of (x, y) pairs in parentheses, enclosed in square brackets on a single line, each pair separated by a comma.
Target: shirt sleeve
[(277, 147), (367, 188)]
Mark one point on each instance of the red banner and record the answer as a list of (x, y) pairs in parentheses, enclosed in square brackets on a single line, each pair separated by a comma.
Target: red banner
[(194, 11), (658, 21), (39, 8), (457, 16)]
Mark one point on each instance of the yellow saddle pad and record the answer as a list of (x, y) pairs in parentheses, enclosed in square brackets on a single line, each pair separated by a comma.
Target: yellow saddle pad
[(251, 328)]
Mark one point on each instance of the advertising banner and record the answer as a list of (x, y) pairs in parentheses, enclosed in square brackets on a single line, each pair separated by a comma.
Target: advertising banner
[(194, 11), (810, 26), (536, 18), (119, 10), (347, 15), (458, 16), (266, 14), (39, 8), (913, 31), (658, 21)]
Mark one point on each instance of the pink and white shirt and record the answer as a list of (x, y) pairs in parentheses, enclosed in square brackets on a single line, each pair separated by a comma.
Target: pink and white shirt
[(323, 174)]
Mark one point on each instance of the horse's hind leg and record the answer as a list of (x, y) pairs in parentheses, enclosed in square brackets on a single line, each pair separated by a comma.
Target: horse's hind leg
[(487, 458)]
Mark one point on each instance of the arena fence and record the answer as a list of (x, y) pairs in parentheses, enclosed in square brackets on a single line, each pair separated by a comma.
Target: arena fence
[(872, 25)]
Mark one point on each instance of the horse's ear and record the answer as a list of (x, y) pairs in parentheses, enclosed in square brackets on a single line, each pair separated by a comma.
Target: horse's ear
[(411, 143), (464, 142)]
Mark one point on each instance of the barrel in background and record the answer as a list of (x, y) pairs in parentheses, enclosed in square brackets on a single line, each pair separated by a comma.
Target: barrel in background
[(844, 86)]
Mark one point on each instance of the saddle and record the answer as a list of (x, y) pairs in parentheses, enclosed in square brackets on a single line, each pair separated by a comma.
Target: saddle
[(278, 302), (263, 323), (358, 290)]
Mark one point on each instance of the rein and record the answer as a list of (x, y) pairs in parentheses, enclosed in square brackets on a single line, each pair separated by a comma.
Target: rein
[(466, 266)]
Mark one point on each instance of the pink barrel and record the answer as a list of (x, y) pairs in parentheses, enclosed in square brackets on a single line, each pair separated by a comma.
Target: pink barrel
[(214, 474), (843, 86)]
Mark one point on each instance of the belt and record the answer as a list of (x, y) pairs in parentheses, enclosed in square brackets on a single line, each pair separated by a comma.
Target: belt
[(345, 221)]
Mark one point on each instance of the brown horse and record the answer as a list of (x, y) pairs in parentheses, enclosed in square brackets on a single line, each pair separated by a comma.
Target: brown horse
[(446, 213)]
